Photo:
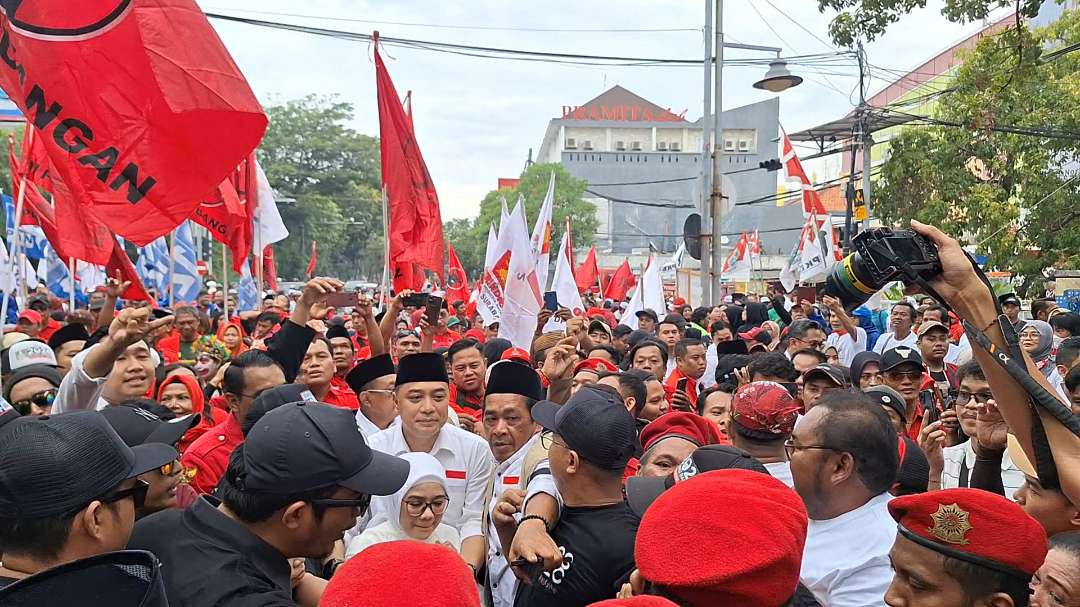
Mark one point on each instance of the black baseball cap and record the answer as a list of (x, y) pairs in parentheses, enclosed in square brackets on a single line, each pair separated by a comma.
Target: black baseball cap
[(833, 373), (1009, 298), (54, 464), (642, 491), (594, 423), (894, 357), (648, 312), (137, 426), (887, 397), (303, 446)]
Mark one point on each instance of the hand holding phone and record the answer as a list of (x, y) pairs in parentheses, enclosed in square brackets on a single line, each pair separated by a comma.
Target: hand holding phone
[(551, 301), (342, 299), (433, 307)]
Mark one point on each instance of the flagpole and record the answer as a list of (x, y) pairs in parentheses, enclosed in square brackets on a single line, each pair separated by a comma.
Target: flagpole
[(71, 278), (15, 257), (225, 281), (385, 286), (172, 263)]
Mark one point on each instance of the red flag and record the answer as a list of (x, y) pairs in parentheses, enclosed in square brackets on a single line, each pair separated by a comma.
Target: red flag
[(457, 285), (120, 263), (588, 272), (621, 282), (269, 268), (228, 214), (313, 260), (416, 235), (139, 124)]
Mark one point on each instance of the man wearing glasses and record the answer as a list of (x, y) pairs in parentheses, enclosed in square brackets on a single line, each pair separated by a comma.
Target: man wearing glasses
[(272, 509), (373, 382), (804, 334), (843, 455), (53, 511)]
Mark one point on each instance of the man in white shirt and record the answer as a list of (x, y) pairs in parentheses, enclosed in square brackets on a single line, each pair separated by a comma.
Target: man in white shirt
[(373, 382), (521, 465), (901, 319), (763, 415), (422, 392), (847, 337), (844, 458)]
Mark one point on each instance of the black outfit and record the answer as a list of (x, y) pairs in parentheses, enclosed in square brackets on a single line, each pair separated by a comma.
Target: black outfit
[(288, 347), (781, 311), (209, 559), (597, 544), (7, 581)]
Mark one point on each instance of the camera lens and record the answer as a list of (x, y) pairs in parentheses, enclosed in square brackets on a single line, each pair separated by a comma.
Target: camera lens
[(850, 282)]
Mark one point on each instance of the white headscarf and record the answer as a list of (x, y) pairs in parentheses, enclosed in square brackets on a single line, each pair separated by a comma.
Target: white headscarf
[(423, 468)]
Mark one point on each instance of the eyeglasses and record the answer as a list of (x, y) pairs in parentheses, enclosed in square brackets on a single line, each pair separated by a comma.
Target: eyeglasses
[(815, 344), (375, 391), (902, 375), (417, 507), (136, 492), (547, 438), (42, 399), (963, 397), (361, 503), (790, 448)]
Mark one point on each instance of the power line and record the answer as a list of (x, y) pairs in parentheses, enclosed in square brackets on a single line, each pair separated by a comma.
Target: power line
[(801, 26)]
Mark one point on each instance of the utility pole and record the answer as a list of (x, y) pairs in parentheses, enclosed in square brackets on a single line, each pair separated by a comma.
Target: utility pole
[(859, 137), (717, 197), (706, 165), (868, 139)]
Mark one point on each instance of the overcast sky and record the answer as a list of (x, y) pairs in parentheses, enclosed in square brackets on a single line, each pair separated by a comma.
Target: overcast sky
[(477, 118)]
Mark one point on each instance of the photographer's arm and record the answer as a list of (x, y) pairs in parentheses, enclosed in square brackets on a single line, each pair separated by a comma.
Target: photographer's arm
[(972, 300)]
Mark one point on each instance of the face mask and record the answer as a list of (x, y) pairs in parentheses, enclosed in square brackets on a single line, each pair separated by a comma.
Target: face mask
[(1057, 341)]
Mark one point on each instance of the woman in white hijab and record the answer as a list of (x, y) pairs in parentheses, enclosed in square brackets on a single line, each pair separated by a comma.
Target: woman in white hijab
[(420, 504)]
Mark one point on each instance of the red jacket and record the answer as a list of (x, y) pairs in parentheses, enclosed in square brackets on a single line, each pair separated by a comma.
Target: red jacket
[(467, 404), (169, 346), (341, 395), (209, 455), (672, 382)]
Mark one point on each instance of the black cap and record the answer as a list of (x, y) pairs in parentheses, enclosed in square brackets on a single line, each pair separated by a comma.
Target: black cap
[(594, 423), (1009, 298), (422, 366), (46, 372), (128, 577), (303, 446), (885, 396), (894, 357), (642, 491), (273, 398), (675, 319), (70, 332), (833, 373), (337, 330), (648, 312), (40, 298), (137, 426), (369, 370), (54, 464), (512, 377)]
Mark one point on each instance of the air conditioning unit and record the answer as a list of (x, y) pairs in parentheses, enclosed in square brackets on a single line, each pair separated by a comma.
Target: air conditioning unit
[(675, 146), (571, 143), (620, 146), (744, 145), (586, 144), (662, 146), (635, 146), (729, 145)]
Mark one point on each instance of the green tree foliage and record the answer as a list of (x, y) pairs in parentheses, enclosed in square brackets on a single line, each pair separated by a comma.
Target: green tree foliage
[(1014, 196), (333, 174), (469, 236), (868, 19)]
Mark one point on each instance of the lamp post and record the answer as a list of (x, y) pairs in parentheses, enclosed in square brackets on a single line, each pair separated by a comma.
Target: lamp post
[(777, 79)]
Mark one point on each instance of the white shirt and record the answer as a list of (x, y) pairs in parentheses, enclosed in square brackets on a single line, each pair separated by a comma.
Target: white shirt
[(963, 456), (367, 427), (78, 390), (781, 471), (846, 347), (711, 359), (846, 559), (385, 532), (670, 366), (508, 476), (468, 464), (889, 340)]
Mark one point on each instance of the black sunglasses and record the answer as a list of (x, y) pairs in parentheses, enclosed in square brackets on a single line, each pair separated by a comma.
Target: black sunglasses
[(136, 492), (361, 503), (42, 399)]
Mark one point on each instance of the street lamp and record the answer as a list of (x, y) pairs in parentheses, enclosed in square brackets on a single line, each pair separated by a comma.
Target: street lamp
[(778, 78)]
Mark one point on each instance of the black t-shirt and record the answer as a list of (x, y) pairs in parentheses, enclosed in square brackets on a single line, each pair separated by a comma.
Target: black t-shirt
[(597, 544)]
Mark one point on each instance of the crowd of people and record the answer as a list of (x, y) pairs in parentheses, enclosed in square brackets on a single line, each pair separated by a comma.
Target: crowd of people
[(766, 451)]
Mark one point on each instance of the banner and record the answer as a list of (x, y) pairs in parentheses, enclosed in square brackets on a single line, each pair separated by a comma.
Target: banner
[(541, 235)]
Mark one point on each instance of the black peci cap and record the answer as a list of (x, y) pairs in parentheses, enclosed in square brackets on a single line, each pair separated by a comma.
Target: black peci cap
[(642, 491), (369, 370), (337, 330), (894, 357), (512, 377), (137, 426), (55, 464), (422, 366), (70, 332), (594, 423), (304, 446)]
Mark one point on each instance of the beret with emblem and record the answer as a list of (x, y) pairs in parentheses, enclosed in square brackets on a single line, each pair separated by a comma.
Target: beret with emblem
[(975, 526)]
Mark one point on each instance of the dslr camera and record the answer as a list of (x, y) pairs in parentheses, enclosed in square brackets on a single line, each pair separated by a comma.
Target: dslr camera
[(881, 256)]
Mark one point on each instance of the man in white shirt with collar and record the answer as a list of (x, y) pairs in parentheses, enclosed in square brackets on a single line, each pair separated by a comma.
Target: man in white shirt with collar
[(847, 337), (521, 464), (373, 382), (844, 458), (422, 393), (901, 319)]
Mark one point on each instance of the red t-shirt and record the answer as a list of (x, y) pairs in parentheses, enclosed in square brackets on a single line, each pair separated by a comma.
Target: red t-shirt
[(341, 395), (444, 340)]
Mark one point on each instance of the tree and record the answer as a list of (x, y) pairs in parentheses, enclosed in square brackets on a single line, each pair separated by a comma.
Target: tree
[(469, 236), (333, 174), (868, 19), (993, 170)]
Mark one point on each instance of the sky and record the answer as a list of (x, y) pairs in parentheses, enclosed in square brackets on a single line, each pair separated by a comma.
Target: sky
[(476, 119)]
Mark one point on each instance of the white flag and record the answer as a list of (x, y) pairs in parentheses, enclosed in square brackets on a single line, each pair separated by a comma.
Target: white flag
[(563, 283), (270, 228), (629, 317), (504, 215), (541, 235), (7, 277), (522, 296), (737, 264), (490, 254), (652, 294)]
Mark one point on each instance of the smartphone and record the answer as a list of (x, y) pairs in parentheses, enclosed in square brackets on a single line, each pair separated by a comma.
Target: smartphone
[(930, 405), (416, 300), (343, 299), (551, 301), (433, 306), (535, 572), (681, 384)]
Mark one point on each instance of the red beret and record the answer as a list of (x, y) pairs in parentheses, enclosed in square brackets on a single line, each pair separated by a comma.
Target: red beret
[(764, 406), (690, 426), (974, 526), (477, 334), (644, 600), (402, 573), (594, 364), (679, 301), (519, 354), (738, 559)]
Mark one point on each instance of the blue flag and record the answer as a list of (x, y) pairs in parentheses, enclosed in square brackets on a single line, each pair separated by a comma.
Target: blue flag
[(247, 292), (185, 279), (152, 266)]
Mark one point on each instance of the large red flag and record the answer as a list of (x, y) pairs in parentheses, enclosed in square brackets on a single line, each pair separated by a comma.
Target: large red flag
[(142, 110), (621, 282), (120, 263), (269, 268), (229, 212), (588, 272), (416, 235), (457, 285), (313, 261)]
